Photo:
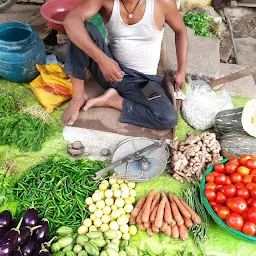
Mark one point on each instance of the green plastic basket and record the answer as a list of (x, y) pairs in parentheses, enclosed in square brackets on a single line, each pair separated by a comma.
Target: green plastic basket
[(219, 221)]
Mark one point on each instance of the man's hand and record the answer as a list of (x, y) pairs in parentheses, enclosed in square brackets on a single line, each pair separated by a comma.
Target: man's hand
[(179, 81), (111, 70)]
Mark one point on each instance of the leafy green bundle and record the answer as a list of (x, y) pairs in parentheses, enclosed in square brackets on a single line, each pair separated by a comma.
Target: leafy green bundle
[(7, 105), (58, 188), (23, 131), (201, 24)]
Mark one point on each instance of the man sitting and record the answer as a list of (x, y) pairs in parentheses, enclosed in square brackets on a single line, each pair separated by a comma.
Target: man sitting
[(129, 57)]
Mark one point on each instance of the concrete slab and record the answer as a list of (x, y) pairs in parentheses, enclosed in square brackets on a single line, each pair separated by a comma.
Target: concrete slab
[(244, 85), (94, 141), (203, 55)]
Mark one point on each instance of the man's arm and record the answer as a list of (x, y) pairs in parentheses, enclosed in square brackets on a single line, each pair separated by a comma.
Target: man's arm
[(174, 19), (75, 28)]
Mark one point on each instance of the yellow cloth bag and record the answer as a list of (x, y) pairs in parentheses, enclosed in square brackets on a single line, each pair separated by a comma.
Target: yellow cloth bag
[(52, 86)]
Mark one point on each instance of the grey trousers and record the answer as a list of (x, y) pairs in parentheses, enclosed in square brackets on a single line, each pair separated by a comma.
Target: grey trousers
[(156, 114)]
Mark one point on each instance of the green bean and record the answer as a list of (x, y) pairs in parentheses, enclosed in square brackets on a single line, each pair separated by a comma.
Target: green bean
[(59, 187)]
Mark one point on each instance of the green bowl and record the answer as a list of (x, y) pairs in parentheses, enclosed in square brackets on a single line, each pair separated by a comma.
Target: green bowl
[(219, 221)]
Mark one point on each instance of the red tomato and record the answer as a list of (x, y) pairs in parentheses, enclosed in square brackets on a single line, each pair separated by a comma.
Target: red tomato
[(251, 202), (247, 179), (231, 167), (218, 188), (235, 160), (253, 172), (228, 180), (220, 179), (243, 170), (243, 159), (251, 214), (229, 202), (216, 207), (214, 173), (238, 205), (249, 228), (253, 192), (254, 178), (212, 203), (251, 163), (210, 177), (250, 185), (239, 185), (236, 177), (210, 194), (220, 198), (222, 189), (243, 192), (244, 215), (210, 186), (230, 190), (235, 221), (219, 167), (223, 212)]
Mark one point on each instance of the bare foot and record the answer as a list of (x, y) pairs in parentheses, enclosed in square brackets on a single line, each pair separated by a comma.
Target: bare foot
[(70, 115), (110, 98)]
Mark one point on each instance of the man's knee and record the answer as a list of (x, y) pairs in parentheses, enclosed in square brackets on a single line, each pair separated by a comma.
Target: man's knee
[(168, 118)]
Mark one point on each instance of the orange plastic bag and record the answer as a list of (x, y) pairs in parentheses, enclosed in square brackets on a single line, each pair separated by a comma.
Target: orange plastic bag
[(52, 86)]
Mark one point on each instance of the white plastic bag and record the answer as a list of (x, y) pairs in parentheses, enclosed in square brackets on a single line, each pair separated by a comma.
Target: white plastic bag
[(202, 104)]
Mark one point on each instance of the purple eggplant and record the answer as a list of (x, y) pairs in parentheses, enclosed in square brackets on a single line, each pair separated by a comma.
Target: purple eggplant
[(47, 245), (5, 219), (30, 218), (16, 253), (2, 233), (10, 241), (28, 248), (14, 223), (40, 234), (25, 234), (44, 252)]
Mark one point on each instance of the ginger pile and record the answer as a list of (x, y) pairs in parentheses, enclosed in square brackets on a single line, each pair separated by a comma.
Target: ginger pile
[(192, 157), (155, 214)]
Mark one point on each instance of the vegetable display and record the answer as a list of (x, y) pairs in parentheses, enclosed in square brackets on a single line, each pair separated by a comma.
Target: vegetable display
[(26, 237), (191, 157), (156, 214), (58, 188), (231, 192), (110, 208), (94, 243)]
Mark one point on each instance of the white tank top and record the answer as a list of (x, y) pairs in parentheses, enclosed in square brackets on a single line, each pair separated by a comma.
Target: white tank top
[(135, 46)]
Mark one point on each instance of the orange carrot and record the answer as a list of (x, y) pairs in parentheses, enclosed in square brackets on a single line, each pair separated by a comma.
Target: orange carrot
[(138, 207), (175, 213), (146, 212), (138, 219), (194, 216), (160, 212), (168, 231), (154, 228), (188, 222), (153, 214), (155, 202), (146, 225), (183, 232), (141, 227), (168, 213), (149, 231), (184, 212), (132, 220), (164, 227), (175, 232)]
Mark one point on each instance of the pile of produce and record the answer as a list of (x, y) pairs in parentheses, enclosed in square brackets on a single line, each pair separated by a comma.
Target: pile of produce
[(58, 189), (110, 208), (24, 237), (231, 191), (94, 243), (19, 129), (155, 215), (191, 157)]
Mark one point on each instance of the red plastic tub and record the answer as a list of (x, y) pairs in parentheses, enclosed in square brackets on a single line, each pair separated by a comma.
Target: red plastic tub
[(55, 11)]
